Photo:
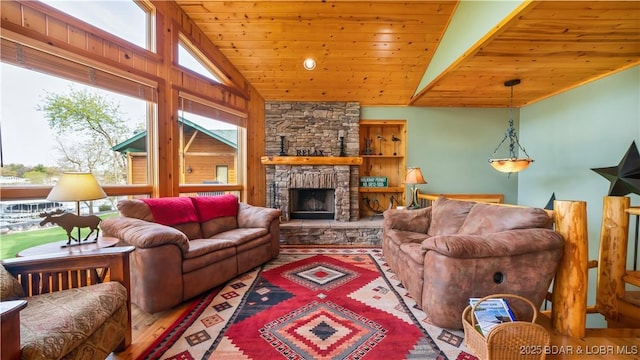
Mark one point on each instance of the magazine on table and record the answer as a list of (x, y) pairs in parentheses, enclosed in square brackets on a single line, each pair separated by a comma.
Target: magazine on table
[(490, 313)]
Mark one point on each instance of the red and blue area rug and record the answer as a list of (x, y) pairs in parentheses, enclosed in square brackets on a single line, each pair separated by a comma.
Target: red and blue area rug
[(310, 303)]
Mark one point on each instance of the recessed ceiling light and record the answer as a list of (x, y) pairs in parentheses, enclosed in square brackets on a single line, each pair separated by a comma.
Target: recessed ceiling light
[(309, 64)]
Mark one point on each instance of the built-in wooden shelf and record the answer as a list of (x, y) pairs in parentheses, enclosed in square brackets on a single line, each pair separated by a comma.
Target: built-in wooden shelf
[(383, 156), (311, 160), (390, 189)]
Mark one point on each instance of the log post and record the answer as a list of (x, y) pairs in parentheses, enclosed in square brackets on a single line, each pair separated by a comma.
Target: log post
[(569, 297), (612, 261)]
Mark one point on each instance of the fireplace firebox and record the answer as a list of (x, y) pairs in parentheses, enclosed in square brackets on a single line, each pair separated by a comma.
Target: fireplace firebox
[(312, 203)]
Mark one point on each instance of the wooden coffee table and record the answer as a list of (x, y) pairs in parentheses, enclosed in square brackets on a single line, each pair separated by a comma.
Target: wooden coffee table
[(57, 247)]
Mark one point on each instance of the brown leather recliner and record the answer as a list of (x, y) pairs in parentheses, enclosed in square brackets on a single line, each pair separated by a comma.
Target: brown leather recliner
[(453, 250)]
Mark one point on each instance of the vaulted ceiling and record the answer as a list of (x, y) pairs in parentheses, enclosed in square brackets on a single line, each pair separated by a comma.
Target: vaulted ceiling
[(377, 52)]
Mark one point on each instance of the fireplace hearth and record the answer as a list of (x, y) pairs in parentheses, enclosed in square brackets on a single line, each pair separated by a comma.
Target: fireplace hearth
[(312, 203)]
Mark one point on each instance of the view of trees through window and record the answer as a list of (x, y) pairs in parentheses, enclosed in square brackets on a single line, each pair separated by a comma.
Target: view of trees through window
[(50, 125), (53, 126), (58, 125)]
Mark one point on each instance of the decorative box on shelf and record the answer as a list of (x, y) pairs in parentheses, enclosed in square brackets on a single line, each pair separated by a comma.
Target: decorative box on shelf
[(374, 181)]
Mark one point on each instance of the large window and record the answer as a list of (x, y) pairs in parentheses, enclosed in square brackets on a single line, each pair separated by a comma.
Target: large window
[(70, 111), (52, 125), (60, 125), (124, 19)]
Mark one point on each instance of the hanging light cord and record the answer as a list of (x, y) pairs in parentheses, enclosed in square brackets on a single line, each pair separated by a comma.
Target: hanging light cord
[(511, 134)]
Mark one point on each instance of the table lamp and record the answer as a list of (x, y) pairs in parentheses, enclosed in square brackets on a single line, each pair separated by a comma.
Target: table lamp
[(76, 186), (414, 176)]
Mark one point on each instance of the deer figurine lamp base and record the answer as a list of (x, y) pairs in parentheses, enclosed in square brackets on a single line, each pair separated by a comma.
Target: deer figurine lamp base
[(75, 186)]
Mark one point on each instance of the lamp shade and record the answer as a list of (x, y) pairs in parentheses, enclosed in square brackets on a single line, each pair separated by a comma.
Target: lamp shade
[(414, 176), (510, 165), (76, 186)]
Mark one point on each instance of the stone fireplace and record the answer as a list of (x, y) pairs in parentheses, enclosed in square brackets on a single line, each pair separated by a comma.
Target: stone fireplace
[(312, 203), (315, 130), (313, 174), (336, 180)]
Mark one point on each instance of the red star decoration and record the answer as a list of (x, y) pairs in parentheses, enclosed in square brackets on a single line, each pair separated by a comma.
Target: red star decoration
[(625, 178)]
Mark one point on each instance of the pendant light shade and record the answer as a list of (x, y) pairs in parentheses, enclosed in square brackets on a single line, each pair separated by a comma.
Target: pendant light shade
[(513, 163)]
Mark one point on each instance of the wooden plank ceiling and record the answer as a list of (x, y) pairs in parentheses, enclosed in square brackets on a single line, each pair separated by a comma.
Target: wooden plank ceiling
[(376, 52)]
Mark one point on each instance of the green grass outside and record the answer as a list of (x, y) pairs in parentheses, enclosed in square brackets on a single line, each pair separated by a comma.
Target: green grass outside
[(11, 244)]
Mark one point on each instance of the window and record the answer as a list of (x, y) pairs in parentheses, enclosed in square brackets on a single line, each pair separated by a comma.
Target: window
[(190, 58), (60, 125), (209, 150), (124, 19), (222, 174), (51, 125)]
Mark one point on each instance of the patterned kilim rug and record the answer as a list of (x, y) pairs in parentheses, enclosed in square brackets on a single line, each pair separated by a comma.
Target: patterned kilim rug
[(310, 303)]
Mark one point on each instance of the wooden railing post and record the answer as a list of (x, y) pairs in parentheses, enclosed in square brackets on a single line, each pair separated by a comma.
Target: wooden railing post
[(613, 255), (569, 298)]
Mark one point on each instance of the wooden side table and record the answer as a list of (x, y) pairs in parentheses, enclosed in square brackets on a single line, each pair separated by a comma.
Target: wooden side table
[(10, 314), (57, 247)]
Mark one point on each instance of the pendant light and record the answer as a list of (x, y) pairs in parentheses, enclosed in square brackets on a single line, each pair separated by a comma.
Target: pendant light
[(513, 163)]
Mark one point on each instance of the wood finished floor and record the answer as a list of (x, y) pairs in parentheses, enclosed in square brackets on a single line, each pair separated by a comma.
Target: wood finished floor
[(598, 344)]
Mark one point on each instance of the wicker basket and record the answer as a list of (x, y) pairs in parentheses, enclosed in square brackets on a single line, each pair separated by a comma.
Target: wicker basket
[(512, 340)]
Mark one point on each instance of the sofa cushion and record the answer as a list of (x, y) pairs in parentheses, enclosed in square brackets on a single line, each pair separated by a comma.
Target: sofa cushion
[(486, 219), (170, 215), (399, 237), (55, 323), (172, 211), (408, 220), (413, 251), (216, 226), (10, 288), (134, 208), (213, 207), (241, 235), (448, 215), (216, 213), (250, 216), (200, 247)]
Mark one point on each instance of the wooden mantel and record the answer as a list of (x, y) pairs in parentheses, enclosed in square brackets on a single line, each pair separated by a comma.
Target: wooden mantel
[(311, 160)]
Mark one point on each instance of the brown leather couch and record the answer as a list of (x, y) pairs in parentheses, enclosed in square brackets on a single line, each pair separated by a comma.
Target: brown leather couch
[(453, 250), (186, 246)]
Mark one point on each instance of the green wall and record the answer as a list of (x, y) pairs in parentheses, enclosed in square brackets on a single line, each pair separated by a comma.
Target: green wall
[(569, 134), (452, 147), (588, 127), (469, 24)]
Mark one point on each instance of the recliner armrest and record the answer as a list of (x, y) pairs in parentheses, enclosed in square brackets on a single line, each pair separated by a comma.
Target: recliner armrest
[(250, 216), (144, 234), (407, 220), (505, 243)]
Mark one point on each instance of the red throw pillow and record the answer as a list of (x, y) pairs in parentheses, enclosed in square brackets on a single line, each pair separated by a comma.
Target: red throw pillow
[(211, 207), (172, 210)]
